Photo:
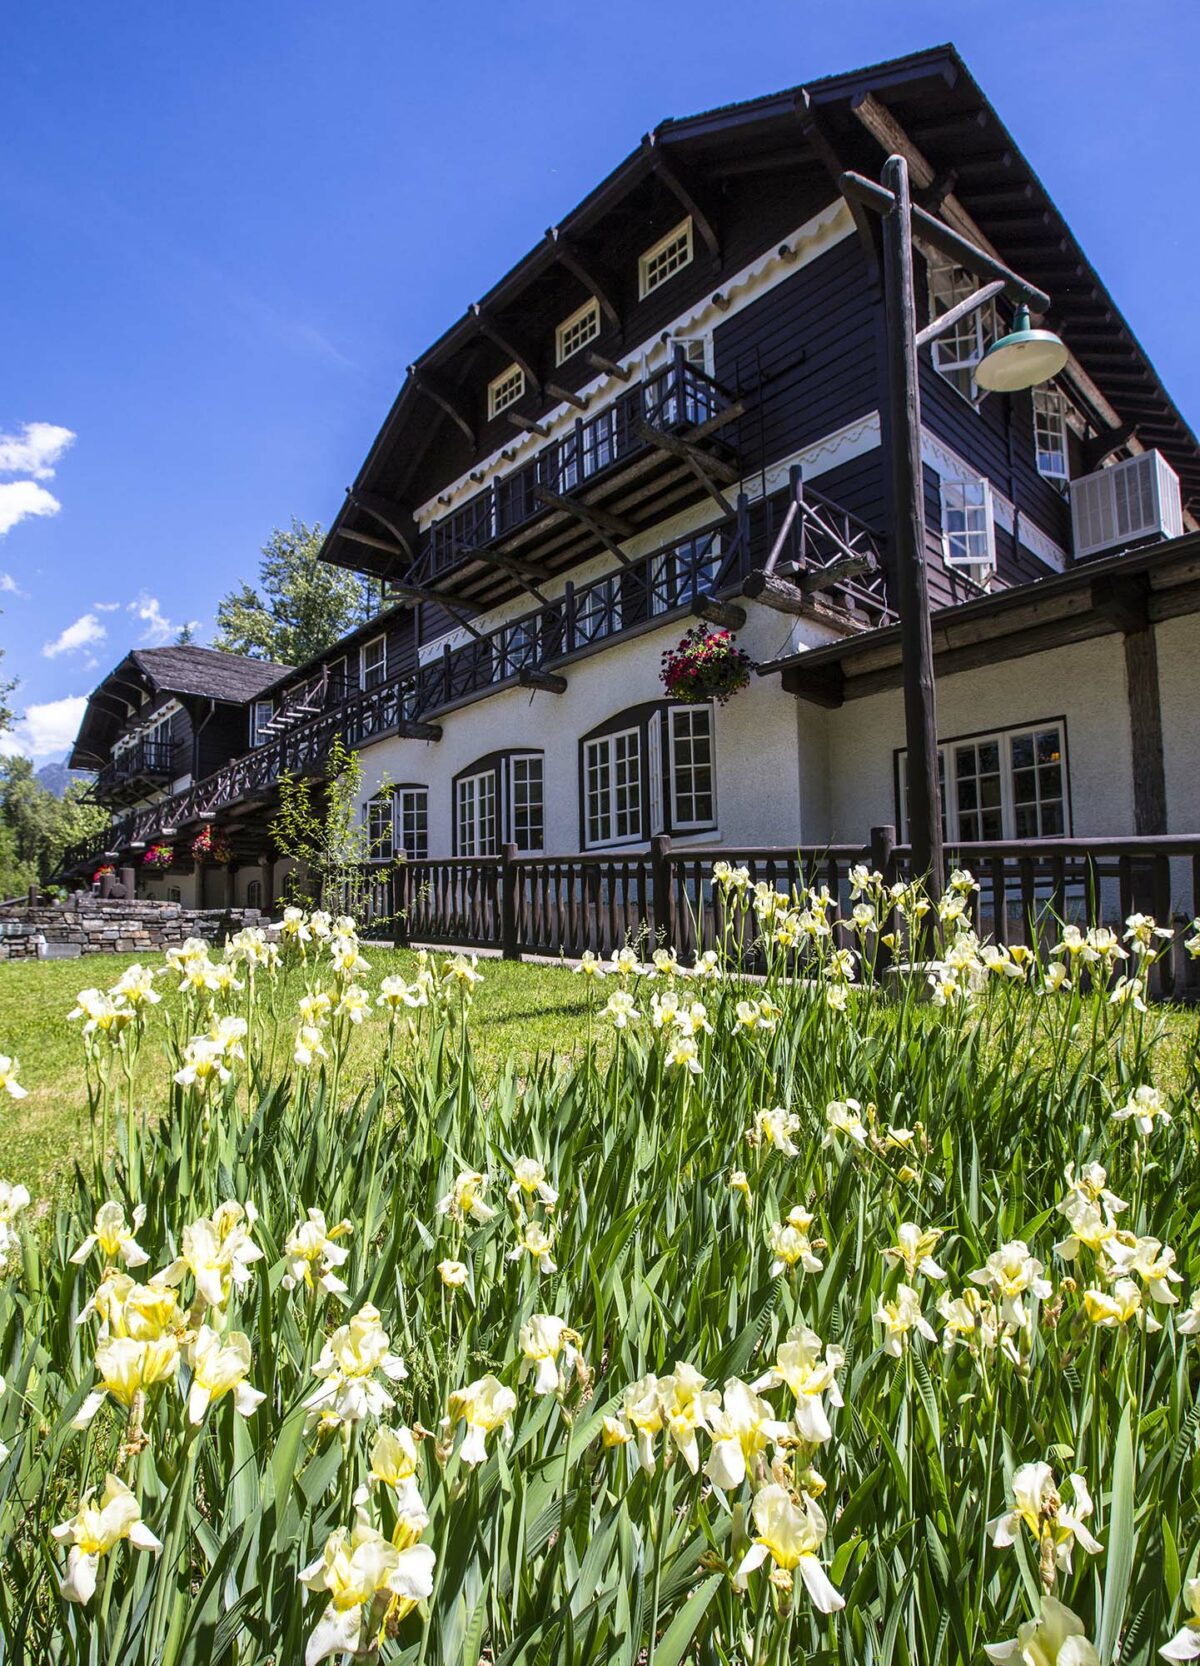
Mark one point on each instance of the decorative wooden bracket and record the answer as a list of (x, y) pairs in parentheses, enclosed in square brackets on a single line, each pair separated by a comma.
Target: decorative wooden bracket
[(395, 517), (520, 355), (598, 362), (1102, 445), (586, 275), (446, 400), (604, 525), (688, 193), (824, 687), (554, 391)]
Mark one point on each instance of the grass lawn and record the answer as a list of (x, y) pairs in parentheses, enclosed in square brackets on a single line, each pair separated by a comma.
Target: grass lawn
[(520, 1012)]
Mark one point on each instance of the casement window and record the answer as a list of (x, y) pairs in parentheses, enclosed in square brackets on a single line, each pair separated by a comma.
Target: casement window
[(574, 333), (968, 524), (254, 893), (412, 822), (372, 663), (664, 258), (1011, 784), (500, 800), (380, 828), (261, 714), (505, 390), (612, 771), (678, 575), (692, 773), (956, 354), (527, 811), (1050, 434), (651, 769), (475, 819)]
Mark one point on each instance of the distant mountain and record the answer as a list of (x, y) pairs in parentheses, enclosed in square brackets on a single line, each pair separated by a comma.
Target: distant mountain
[(56, 778)]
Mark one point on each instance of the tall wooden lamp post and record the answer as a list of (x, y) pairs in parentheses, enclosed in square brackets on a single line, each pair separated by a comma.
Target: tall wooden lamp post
[(1020, 359)]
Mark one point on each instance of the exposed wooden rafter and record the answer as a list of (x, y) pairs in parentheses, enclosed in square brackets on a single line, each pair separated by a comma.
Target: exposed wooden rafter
[(597, 288), (820, 142), (599, 522), (609, 366), (403, 592), (395, 518), (513, 348), (446, 399), (689, 194), (555, 391)]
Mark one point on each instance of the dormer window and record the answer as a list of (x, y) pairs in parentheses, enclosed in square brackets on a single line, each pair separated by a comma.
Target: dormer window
[(956, 354), (575, 332), (505, 390), (668, 256)]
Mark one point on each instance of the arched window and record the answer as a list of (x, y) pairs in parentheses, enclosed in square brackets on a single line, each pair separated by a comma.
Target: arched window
[(254, 894)]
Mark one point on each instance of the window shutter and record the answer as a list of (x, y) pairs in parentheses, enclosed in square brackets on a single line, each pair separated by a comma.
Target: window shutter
[(654, 765)]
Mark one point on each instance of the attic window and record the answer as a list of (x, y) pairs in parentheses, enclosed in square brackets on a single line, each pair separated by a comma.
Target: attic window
[(576, 331), (507, 388), (956, 354), (668, 256)]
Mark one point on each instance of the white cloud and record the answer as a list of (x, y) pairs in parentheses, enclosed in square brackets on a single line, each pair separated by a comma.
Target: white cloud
[(159, 628), (106, 607), (35, 450), (45, 730), (81, 633), (21, 498), (10, 587)]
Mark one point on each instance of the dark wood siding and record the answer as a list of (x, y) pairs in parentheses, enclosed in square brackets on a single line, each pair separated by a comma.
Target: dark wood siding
[(219, 738)]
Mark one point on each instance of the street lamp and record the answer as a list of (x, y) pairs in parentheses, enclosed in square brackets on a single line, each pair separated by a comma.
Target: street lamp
[(1020, 359)]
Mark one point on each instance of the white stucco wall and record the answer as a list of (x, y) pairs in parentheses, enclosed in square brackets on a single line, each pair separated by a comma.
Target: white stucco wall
[(758, 774), (1178, 643), (1083, 683)]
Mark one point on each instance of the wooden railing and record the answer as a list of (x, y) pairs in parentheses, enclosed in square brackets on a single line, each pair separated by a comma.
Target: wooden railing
[(566, 905), (678, 396), (663, 584)]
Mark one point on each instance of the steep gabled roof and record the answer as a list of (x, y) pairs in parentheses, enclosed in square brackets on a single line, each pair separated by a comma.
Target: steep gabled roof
[(206, 673), (932, 98)]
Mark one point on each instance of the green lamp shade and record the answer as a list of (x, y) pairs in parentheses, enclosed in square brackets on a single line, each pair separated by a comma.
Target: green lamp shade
[(1021, 359)]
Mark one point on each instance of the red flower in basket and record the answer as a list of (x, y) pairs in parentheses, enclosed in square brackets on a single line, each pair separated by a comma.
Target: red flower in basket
[(158, 857), (211, 845), (705, 665), (102, 872)]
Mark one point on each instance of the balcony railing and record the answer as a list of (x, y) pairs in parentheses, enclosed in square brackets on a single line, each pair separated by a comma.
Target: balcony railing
[(679, 396), (146, 760)]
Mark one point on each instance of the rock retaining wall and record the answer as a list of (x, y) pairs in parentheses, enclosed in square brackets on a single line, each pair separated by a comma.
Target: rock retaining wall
[(87, 926)]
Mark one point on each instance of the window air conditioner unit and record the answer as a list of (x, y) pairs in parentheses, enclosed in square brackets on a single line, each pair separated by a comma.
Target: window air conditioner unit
[(1135, 499)]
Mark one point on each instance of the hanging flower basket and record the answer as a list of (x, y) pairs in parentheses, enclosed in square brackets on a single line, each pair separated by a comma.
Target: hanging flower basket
[(705, 665), (211, 845), (103, 872), (159, 857)]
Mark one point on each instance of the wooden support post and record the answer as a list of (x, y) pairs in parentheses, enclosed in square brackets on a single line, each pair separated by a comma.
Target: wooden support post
[(663, 899), (267, 870), (908, 533), (401, 894), (1145, 731), (230, 884), (508, 903)]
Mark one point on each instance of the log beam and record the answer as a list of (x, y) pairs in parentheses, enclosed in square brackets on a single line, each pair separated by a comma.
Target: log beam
[(569, 257), (530, 676), (609, 366), (394, 517), (727, 615), (591, 514), (681, 446)]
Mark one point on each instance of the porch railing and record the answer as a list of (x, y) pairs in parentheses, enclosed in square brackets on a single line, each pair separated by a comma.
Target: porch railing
[(566, 905), (679, 395)]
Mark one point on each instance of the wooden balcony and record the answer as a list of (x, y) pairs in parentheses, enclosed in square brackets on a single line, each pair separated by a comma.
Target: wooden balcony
[(661, 444), (133, 773)]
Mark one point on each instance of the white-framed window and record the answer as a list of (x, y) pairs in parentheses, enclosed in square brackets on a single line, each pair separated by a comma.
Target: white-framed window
[(372, 663), (475, 818), (956, 354), (380, 828), (664, 258), (968, 523), (678, 575), (693, 767), (412, 822), (261, 714), (598, 610), (526, 778), (574, 333), (1050, 434), (504, 390), (254, 893), (1010, 784), (612, 785)]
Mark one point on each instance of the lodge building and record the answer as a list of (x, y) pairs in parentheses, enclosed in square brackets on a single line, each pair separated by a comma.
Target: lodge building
[(673, 410)]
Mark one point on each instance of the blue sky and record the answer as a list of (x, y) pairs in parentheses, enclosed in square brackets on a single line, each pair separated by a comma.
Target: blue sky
[(227, 228)]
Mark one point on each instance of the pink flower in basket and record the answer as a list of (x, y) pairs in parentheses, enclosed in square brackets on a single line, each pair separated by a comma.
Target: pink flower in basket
[(705, 665), (158, 856)]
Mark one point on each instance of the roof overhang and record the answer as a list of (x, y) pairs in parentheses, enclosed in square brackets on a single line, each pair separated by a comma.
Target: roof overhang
[(1116, 593)]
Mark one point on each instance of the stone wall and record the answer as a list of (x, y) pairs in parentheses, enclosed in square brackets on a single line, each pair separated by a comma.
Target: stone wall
[(85, 925)]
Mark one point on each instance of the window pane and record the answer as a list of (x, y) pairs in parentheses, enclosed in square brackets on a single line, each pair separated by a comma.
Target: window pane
[(1022, 751), (627, 785), (597, 789), (691, 760), (527, 776)]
